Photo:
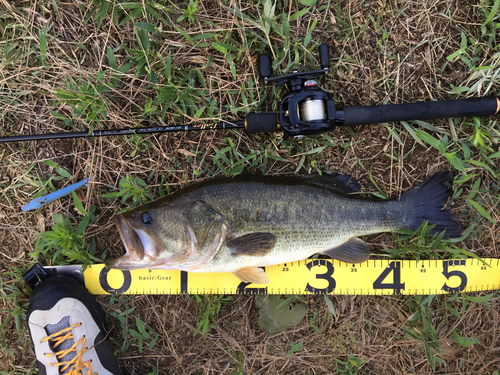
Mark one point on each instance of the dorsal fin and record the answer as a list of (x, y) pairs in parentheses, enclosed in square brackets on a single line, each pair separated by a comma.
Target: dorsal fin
[(340, 183)]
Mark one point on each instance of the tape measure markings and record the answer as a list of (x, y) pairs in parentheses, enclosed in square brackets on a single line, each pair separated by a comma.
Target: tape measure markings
[(319, 276)]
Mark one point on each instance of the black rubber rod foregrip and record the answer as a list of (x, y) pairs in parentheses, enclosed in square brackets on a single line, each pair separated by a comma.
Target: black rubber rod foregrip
[(421, 111), (265, 122)]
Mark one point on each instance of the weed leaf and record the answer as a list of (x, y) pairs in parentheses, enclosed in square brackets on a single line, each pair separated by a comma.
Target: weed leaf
[(275, 318), (295, 347), (330, 305), (481, 210), (309, 3), (145, 26), (185, 35), (464, 341), (78, 203), (479, 299), (299, 14), (60, 170), (102, 13), (493, 13), (111, 57)]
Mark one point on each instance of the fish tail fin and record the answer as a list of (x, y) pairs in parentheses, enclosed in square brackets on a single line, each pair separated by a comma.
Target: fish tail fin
[(430, 201)]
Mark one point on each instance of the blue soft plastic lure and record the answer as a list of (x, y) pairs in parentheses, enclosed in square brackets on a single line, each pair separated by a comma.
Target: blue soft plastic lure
[(40, 201)]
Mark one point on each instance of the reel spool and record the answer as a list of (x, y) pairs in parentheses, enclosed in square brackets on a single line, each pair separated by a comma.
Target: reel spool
[(312, 110)]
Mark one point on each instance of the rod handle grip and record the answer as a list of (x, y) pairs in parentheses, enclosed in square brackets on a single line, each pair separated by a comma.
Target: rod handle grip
[(365, 115)]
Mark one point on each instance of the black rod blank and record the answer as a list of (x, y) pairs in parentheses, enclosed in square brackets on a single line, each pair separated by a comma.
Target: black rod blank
[(104, 133)]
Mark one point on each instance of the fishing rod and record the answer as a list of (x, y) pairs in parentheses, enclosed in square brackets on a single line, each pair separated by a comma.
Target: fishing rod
[(306, 110)]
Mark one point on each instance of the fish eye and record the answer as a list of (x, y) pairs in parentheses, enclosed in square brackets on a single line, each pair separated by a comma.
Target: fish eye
[(148, 217)]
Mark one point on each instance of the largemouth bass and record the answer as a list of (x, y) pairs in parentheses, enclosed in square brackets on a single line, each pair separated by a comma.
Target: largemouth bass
[(238, 225)]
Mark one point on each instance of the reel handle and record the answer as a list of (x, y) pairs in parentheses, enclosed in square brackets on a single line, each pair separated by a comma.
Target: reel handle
[(324, 56), (296, 79), (265, 68)]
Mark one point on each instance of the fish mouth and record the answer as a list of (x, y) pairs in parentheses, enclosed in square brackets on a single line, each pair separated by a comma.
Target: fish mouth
[(140, 247)]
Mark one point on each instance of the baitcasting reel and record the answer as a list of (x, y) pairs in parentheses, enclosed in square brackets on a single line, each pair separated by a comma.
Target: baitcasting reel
[(305, 109)]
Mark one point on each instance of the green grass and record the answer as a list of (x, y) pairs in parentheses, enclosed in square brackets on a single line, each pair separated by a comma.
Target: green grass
[(136, 335), (208, 308)]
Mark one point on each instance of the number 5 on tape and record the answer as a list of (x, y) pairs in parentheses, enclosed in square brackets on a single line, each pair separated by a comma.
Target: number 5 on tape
[(449, 274)]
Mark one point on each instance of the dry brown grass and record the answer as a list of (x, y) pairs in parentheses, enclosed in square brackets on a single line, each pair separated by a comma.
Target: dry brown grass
[(384, 52)]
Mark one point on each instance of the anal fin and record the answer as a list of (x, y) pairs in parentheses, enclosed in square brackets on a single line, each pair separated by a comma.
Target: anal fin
[(252, 275), (352, 251)]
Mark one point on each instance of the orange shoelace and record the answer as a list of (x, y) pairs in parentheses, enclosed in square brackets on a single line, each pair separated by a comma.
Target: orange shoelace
[(76, 363)]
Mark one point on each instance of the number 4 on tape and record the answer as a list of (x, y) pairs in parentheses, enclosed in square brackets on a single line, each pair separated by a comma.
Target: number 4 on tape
[(396, 285)]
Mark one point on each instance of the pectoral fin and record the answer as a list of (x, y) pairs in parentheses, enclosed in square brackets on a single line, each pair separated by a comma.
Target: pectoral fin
[(257, 243), (352, 251), (252, 275)]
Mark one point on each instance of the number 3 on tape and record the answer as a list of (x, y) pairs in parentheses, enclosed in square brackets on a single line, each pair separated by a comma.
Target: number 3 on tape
[(324, 276)]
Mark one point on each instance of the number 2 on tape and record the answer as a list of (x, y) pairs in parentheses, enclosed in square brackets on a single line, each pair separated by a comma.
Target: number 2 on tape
[(242, 288)]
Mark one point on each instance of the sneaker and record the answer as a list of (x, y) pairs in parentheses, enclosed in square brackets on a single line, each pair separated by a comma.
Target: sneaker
[(66, 325)]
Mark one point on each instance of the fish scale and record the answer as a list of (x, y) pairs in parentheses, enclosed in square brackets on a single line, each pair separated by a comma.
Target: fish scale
[(307, 237)]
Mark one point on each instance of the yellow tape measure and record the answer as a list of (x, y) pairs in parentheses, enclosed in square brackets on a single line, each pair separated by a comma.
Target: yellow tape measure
[(312, 276)]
